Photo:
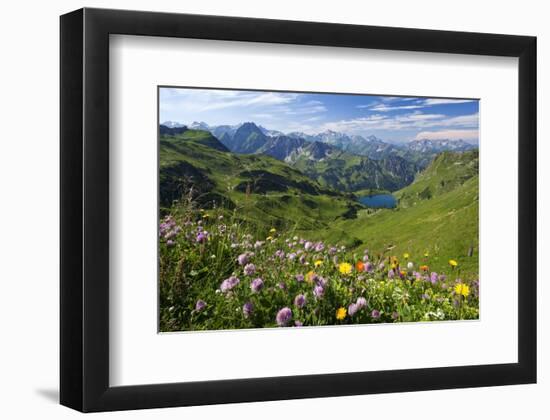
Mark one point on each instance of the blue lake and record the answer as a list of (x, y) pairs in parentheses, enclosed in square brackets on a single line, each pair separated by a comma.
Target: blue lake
[(378, 201)]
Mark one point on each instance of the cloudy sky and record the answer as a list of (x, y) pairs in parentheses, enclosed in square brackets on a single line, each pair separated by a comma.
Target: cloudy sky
[(394, 119)]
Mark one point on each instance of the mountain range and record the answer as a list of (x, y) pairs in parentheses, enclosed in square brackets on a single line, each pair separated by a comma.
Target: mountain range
[(333, 159)]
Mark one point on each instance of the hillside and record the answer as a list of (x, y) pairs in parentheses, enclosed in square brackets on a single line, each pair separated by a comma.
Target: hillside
[(261, 189), (443, 223), (447, 171)]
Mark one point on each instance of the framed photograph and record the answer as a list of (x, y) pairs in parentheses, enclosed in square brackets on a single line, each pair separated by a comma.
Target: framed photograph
[(255, 209)]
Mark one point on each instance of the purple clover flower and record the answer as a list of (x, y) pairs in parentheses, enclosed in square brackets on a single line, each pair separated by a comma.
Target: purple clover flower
[(249, 269), (352, 309), (433, 278), (318, 291), (300, 301), (229, 284), (369, 268), (375, 313), (248, 308), (283, 317), (298, 323), (308, 245), (200, 305), (243, 258), (170, 243), (391, 273), (361, 302), (319, 247), (201, 237), (299, 278), (256, 285)]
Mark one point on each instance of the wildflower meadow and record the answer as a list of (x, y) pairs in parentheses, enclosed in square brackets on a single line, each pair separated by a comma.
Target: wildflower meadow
[(217, 272)]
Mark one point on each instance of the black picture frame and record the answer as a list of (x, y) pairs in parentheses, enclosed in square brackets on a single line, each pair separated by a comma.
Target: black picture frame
[(84, 296)]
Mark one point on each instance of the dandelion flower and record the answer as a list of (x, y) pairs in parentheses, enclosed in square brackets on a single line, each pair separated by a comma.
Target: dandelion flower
[(426, 254), (345, 268), (406, 255), (272, 230), (269, 238), (462, 289), (318, 263), (283, 317), (341, 313), (453, 263)]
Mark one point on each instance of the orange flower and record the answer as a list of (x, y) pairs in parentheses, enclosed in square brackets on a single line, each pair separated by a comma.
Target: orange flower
[(360, 266), (424, 268)]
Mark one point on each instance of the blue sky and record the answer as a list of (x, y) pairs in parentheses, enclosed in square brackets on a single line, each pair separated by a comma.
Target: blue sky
[(394, 119)]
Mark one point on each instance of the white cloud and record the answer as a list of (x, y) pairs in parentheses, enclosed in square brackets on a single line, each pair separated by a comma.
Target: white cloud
[(467, 135), (386, 104), (412, 121)]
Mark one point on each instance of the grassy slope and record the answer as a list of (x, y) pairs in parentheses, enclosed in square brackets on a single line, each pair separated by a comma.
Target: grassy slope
[(446, 225), (279, 195)]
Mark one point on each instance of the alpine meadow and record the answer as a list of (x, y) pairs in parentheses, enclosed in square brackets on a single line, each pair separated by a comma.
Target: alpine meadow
[(286, 209)]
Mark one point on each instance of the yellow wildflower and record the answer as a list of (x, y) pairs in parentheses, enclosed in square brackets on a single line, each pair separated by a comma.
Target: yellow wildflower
[(272, 230), (318, 263), (453, 263), (310, 276), (345, 268), (406, 255), (426, 254), (341, 313), (269, 238), (462, 289), (205, 216)]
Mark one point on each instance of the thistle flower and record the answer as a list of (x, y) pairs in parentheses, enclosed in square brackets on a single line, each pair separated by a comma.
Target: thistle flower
[(249, 269), (283, 316), (256, 285), (200, 305), (300, 301), (248, 308)]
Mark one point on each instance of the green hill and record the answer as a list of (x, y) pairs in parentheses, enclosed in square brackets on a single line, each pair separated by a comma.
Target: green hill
[(261, 189), (443, 223), (447, 171)]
